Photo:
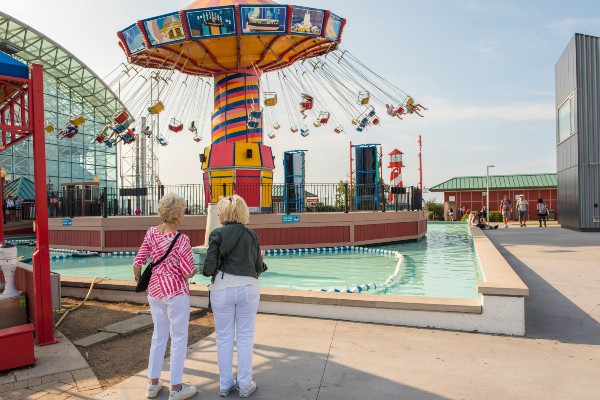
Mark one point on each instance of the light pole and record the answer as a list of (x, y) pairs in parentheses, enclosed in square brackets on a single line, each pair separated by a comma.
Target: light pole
[(487, 195)]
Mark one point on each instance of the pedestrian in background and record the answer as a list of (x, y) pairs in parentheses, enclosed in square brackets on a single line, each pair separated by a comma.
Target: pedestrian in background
[(505, 209), (542, 210), (523, 207)]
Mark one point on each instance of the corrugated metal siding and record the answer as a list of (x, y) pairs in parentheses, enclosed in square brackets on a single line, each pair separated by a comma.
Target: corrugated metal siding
[(566, 152), (588, 122)]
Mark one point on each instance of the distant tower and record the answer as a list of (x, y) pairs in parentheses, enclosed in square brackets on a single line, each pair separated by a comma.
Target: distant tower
[(396, 175)]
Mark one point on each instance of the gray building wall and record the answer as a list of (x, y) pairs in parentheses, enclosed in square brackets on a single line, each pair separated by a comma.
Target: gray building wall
[(577, 74)]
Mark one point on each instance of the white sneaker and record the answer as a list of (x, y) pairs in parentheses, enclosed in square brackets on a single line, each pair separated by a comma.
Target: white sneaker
[(247, 391), (185, 393), (225, 392), (152, 390)]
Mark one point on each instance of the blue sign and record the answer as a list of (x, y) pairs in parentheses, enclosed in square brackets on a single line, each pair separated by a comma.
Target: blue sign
[(67, 222), (290, 219)]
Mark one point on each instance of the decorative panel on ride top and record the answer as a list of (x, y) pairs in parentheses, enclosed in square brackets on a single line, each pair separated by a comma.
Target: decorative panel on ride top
[(213, 37)]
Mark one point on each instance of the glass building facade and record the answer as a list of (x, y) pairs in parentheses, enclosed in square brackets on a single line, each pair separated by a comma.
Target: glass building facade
[(71, 89), (78, 159)]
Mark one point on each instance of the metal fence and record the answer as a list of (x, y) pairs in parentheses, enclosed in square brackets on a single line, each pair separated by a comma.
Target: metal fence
[(291, 198)]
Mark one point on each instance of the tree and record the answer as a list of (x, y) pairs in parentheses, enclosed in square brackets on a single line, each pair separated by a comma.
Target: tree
[(436, 210)]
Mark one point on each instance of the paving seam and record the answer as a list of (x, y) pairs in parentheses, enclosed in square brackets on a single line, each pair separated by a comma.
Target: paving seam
[(326, 360)]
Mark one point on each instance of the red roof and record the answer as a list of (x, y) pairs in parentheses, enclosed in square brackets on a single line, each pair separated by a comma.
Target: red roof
[(395, 151)]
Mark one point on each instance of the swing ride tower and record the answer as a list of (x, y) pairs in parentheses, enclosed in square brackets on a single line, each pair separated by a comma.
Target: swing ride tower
[(234, 42)]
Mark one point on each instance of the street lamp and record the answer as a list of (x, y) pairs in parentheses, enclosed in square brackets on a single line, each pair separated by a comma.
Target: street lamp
[(487, 217)]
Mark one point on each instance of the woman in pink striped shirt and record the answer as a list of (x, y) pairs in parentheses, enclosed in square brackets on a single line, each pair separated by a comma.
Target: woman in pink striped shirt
[(168, 295)]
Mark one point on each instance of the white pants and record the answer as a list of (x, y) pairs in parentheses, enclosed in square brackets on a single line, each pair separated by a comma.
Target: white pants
[(169, 316), (235, 313)]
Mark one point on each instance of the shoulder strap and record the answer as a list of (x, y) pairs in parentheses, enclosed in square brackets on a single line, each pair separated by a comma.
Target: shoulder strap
[(169, 250)]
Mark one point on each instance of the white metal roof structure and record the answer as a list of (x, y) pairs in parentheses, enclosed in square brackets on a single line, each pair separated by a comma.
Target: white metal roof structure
[(30, 46)]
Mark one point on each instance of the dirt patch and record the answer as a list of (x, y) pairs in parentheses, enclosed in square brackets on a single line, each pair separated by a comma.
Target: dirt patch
[(122, 357)]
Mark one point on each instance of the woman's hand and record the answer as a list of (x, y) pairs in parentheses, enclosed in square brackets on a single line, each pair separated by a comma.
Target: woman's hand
[(137, 272), (190, 276)]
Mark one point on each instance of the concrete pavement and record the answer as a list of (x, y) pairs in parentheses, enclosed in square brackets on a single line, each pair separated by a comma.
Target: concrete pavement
[(301, 358)]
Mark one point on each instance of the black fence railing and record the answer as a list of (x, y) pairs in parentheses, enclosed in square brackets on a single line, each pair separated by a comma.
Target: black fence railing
[(282, 198)]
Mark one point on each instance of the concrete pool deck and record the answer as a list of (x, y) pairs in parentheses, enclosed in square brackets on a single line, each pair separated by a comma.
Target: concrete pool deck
[(559, 357)]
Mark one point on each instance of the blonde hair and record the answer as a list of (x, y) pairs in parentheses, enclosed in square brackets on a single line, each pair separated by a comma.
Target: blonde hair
[(171, 208), (234, 209)]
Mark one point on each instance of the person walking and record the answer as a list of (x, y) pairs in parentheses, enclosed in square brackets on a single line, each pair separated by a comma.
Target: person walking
[(234, 261), (523, 207), (168, 295), (505, 204), (542, 210)]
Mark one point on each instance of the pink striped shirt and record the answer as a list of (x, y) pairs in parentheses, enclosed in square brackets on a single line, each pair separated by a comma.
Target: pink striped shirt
[(168, 279)]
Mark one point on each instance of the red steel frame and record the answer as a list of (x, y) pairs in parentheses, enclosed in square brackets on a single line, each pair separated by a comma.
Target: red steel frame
[(24, 112)]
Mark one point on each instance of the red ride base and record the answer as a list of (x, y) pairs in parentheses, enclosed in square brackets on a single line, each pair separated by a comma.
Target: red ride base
[(16, 347)]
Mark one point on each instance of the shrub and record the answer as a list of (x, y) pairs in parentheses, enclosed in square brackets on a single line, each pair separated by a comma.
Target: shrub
[(495, 216)]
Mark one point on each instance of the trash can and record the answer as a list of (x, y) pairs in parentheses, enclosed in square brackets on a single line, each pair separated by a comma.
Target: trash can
[(551, 215)]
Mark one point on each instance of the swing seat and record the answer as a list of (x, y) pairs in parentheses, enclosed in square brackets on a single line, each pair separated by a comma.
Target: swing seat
[(375, 120), (276, 126), (294, 129), (339, 129), (119, 128), (49, 128), (147, 131), (364, 122), (176, 128), (270, 99), (304, 132), (354, 122), (156, 108), (410, 101), (271, 135), (192, 128), (120, 117), (197, 138), (317, 124), (253, 124), (371, 113), (364, 97), (324, 117), (399, 110), (109, 143), (255, 115), (100, 138), (307, 102), (76, 121), (360, 128)]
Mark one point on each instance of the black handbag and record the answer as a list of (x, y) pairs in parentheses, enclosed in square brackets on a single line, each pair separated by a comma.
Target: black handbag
[(144, 281)]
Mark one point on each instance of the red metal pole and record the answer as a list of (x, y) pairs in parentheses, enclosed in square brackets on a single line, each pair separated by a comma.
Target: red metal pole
[(420, 165), (1, 209), (350, 200), (41, 256)]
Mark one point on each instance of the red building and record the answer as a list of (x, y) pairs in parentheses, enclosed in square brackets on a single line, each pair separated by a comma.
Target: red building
[(470, 192)]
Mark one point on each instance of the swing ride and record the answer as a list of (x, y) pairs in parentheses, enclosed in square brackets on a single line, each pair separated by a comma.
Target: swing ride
[(292, 52)]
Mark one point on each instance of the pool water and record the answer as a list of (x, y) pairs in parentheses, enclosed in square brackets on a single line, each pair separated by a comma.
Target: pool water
[(443, 264)]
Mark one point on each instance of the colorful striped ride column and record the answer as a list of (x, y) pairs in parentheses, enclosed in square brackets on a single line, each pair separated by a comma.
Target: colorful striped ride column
[(237, 95), (237, 161)]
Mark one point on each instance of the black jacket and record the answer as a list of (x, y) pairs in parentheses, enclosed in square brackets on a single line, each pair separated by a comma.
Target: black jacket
[(234, 249)]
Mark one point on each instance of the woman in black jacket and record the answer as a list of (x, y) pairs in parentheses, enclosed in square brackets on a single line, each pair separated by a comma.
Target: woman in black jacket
[(234, 260)]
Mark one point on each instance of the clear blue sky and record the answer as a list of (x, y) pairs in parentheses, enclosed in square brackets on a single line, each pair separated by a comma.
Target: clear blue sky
[(485, 70)]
